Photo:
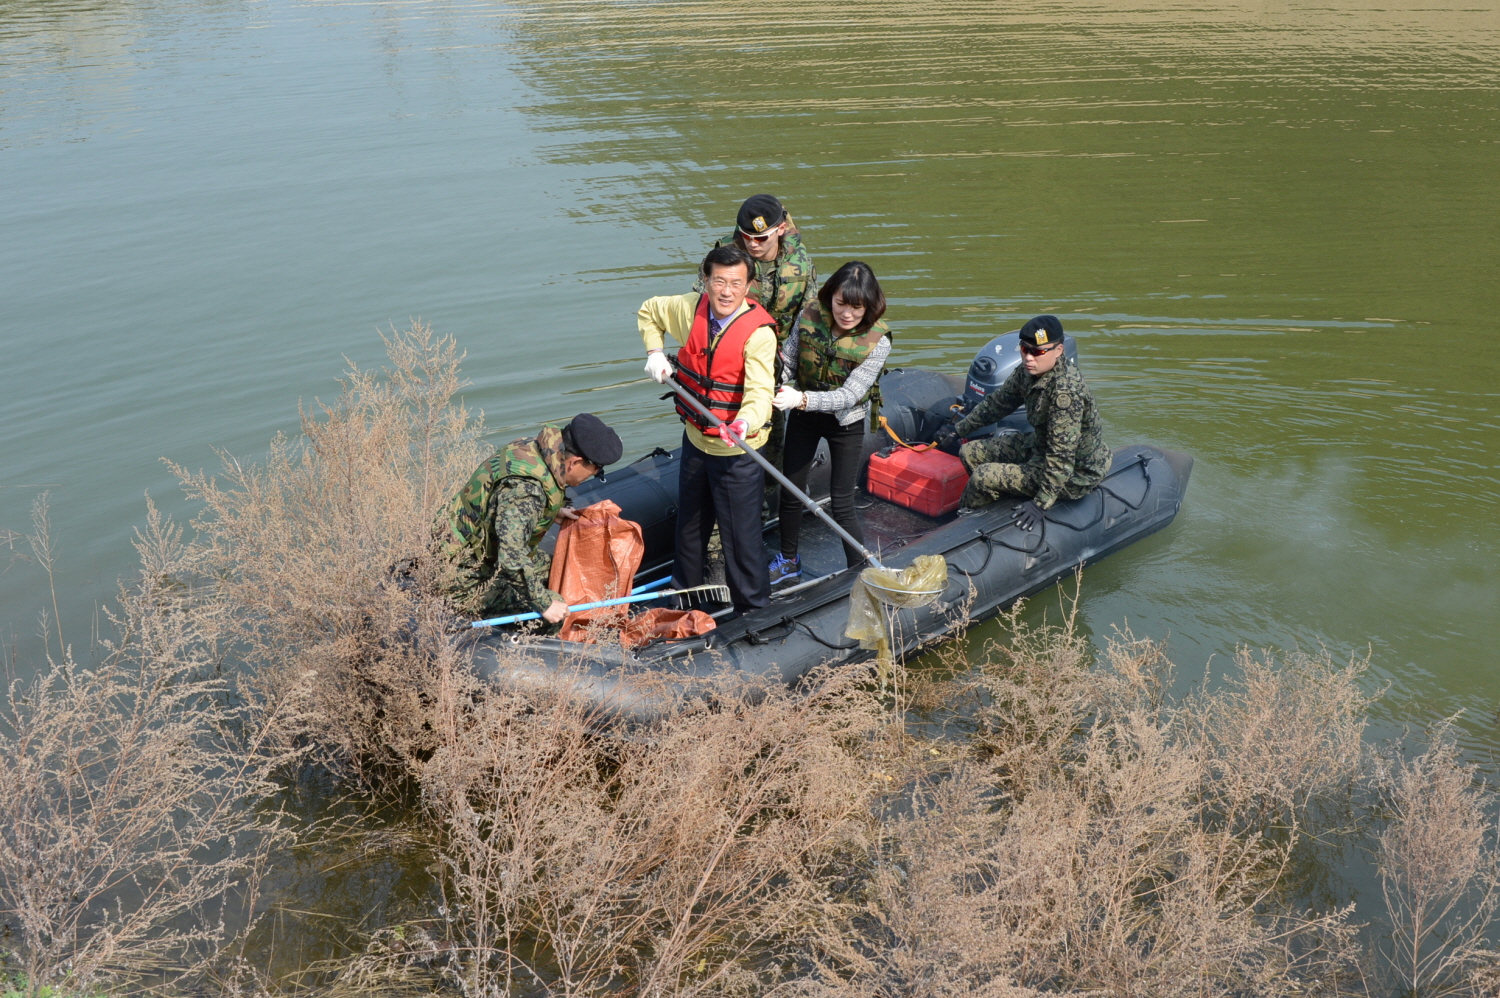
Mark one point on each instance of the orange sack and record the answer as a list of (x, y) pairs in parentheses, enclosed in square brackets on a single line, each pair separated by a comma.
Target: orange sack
[(664, 623), (596, 558)]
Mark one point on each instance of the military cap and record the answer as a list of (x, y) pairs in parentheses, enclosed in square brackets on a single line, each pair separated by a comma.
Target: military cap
[(760, 214), (1042, 331), (590, 439)]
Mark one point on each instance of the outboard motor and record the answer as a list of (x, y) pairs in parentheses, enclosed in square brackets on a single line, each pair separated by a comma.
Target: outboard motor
[(993, 364), (918, 401)]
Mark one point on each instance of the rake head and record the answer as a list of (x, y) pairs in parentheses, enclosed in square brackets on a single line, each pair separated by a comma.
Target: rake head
[(699, 595)]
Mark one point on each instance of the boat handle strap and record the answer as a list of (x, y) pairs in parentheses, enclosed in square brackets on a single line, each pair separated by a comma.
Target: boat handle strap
[(919, 448)]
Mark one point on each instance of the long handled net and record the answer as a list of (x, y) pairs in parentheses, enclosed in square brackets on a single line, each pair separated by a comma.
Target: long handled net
[(918, 584), (880, 592)]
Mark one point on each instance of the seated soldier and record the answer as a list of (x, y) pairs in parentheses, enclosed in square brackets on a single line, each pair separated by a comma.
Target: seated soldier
[(1065, 455), (490, 531)]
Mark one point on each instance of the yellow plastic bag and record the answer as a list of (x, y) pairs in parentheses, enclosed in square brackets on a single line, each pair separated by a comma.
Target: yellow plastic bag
[(917, 584)]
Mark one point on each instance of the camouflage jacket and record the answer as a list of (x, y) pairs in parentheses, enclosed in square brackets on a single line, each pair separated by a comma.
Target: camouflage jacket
[(1069, 433), (782, 286), (825, 360), (489, 532)]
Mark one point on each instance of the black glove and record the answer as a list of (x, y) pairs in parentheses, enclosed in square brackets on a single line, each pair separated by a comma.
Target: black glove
[(1028, 515), (947, 439)]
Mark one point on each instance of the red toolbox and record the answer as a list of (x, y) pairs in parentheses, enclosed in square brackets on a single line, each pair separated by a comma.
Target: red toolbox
[(928, 481)]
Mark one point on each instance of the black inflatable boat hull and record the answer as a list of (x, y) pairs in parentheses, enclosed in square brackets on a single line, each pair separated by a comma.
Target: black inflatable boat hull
[(991, 564)]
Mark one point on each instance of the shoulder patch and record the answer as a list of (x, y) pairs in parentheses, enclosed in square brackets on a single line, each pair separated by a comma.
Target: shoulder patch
[(1064, 400)]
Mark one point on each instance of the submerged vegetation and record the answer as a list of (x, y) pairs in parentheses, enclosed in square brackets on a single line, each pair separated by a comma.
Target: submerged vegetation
[(1027, 816)]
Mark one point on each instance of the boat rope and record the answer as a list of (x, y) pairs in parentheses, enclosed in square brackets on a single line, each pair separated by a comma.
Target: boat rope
[(991, 538), (793, 624), (1144, 460), (919, 448)]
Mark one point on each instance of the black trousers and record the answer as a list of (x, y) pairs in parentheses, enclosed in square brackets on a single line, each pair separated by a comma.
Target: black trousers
[(846, 446), (727, 491)]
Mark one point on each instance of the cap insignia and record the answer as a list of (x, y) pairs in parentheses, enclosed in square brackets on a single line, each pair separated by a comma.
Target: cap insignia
[(759, 223), (1041, 337)]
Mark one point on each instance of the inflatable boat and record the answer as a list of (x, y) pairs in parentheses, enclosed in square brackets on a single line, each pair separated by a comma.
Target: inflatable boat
[(991, 562)]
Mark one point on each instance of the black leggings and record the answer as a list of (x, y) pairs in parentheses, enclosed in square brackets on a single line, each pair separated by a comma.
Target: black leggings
[(846, 445)]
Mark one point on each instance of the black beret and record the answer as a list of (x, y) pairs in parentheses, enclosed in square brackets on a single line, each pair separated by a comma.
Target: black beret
[(760, 213), (595, 442), (1042, 331)]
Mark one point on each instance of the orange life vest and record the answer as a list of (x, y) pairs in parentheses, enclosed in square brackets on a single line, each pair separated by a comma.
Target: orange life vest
[(714, 373)]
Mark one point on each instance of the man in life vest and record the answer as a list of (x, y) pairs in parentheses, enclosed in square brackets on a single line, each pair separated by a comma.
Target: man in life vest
[(489, 532), (727, 362)]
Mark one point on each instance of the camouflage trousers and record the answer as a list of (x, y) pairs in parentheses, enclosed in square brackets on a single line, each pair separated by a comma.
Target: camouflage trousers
[(506, 592), (1007, 464)]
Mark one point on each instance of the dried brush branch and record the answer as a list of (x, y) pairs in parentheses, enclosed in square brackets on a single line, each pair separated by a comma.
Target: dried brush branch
[(656, 864), (134, 840), (318, 556), (1439, 873), (1281, 736), (42, 549), (1034, 693)]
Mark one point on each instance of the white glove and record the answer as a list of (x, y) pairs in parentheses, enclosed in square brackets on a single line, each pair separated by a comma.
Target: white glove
[(788, 398), (658, 366)]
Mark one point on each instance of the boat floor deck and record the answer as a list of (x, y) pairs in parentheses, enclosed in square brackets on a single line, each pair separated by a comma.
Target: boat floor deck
[(887, 527)]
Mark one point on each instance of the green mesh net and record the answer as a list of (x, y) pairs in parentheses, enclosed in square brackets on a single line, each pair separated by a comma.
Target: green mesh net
[(917, 584)]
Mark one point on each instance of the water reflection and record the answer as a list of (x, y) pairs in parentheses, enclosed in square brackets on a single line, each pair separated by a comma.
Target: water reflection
[(1271, 228)]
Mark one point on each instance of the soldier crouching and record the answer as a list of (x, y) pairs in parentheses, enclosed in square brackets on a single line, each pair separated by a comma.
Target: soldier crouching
[(1064, 457), (489, 533)]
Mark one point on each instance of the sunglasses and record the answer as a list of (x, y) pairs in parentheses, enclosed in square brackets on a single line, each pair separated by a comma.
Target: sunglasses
[(751, 237), (1035, 351)]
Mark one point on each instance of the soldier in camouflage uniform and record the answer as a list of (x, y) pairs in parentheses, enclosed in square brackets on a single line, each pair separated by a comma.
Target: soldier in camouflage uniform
[(490, 531), (1065, 456), (785, 279), (784, 282)]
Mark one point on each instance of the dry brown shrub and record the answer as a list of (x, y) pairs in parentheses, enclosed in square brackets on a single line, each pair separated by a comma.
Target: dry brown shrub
[(669, 862), (1103, 881), (317, 556), (1281, 736), (134, 837), (1085, 850), (1439, 873), (1033, 692), (1135, 676)]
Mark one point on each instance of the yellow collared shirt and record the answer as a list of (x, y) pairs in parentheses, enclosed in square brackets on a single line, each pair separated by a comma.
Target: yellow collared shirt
[(673, 315)]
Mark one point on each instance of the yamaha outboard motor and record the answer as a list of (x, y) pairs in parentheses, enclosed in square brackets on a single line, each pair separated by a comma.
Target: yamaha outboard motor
[(993, 364)]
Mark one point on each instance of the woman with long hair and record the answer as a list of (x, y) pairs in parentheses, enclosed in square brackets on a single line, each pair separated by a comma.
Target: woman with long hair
[(833, 357)]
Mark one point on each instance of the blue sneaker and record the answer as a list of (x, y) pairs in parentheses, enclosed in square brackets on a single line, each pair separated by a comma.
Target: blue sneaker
[(783, 568)]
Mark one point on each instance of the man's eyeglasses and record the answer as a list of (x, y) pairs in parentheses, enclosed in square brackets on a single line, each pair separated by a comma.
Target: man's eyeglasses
[(1036, 351), (757, 240)]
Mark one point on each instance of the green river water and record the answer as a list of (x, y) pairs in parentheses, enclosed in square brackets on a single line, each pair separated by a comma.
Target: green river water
[(1273, 227)]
